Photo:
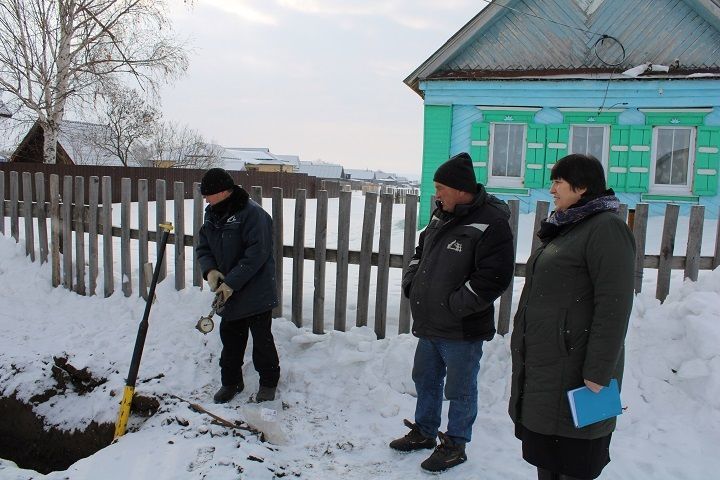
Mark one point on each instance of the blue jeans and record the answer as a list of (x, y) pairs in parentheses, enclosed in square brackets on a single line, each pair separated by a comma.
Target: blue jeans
[(459, 360)]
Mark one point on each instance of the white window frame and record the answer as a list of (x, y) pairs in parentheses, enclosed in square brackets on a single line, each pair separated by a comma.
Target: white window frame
[(501, 180), (660, 188), (606, 142)]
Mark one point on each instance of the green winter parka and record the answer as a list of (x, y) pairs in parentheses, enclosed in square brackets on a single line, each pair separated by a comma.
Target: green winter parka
[(571, 323)]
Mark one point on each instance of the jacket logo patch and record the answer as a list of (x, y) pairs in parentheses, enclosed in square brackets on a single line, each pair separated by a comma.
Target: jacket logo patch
[(455, 245), (231, 219)]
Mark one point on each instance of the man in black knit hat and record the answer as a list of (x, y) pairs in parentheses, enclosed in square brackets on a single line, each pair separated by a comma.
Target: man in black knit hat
[(235, 252), (463, 262)]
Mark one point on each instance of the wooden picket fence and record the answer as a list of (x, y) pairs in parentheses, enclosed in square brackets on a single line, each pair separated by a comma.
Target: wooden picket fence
[(94, 219)]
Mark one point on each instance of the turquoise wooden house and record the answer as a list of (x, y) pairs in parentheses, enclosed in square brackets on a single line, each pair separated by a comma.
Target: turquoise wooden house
[(636, 83)]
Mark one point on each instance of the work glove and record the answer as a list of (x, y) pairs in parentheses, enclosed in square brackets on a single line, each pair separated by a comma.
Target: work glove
[(214, 278), (224, 291)]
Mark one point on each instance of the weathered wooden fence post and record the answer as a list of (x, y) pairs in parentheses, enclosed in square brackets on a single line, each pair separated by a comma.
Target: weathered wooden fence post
[(256, 194), (321, 217), (14, 214), (695, 233), (366, 244), (55, 228), (667, 247), (197, 223), (125, 260), (383, 264), (67, 243), (79, 219), (506, 298), (278, 246), (160, 212), (41, 214), (639, 227), (179, 205), (27, 215), (108, 280), (93, 250), (343, 252), (298, 257), (143, 250), (409, 240), (541, 213)]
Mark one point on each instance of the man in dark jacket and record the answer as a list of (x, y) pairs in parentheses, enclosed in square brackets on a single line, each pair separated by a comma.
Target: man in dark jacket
[(463, 262), (235, 253)]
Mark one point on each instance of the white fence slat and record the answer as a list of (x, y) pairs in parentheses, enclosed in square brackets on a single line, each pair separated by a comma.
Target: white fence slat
[(143, 224), (160, 213), (125, 257), (179, 205)]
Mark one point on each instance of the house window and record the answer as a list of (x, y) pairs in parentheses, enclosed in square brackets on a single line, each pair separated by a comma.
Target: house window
[(672, 159), (507, 154), (590, 140)]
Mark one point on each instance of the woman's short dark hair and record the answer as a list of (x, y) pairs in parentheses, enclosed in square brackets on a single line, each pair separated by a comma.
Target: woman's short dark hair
[(581, 171)]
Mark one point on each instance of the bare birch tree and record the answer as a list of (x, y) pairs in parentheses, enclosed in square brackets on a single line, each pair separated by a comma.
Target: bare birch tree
[(54, 52), (178, 146)]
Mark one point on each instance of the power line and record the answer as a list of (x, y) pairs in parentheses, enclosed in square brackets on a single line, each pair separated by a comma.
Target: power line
[(491, 2)]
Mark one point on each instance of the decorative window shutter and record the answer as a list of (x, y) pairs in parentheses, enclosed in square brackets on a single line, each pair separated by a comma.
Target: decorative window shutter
[(707, 161), (618, 158), (535, 156), (480, 149), (556, 147), (639, 152)]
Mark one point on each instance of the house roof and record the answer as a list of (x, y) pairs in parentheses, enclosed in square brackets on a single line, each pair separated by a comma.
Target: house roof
[(30, 148), (78, 138), (235, 158), (538, 38), (321, 170), (356, 174)]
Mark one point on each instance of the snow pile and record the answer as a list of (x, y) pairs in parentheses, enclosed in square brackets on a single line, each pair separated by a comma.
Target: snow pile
[(342, 396)]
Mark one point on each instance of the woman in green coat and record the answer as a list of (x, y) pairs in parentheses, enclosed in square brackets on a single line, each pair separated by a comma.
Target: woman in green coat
[(571, 322)]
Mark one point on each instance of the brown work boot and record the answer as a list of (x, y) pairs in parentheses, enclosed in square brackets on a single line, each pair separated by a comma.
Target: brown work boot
[(414, 440), (227, 393), (446, 455)]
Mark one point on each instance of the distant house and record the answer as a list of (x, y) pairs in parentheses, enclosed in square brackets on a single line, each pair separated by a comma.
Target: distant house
[(255, 159), (77, 144), (361, 175), (329, 171), (636, 83)]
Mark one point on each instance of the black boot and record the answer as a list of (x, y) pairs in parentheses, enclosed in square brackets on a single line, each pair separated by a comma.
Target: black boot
[(227, 392), (414, 440), (446, 455), (265, 394)]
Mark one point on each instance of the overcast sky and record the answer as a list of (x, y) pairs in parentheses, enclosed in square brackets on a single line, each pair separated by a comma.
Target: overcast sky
[(322, 79)]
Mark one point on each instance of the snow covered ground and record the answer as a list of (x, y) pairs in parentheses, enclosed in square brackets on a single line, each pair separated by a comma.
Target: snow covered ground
[(342, 396)]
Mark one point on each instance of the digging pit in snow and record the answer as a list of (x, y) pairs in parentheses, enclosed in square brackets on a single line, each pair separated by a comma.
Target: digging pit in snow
[(26, 440)]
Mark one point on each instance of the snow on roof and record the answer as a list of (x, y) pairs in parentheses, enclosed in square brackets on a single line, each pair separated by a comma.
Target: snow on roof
[(80, 142), (321, 170), (356, 174)]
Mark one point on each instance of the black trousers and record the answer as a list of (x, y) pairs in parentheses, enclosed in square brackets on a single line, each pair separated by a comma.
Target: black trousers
[(548, 475), (234, 337)]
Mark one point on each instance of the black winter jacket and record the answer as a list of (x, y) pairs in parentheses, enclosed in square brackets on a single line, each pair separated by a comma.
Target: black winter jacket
[(463, 262), (236, 239)]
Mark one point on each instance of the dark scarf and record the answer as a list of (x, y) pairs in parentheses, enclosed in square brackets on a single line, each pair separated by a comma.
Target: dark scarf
[(236, 201), (585, 207)]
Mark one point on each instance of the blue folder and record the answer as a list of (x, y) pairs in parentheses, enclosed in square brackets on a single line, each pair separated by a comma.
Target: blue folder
[(588, 407)]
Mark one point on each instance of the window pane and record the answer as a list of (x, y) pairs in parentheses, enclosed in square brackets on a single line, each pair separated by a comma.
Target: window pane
[(579, 140), (595, 142), (500, 150), (515, 150), (681, 155), (663, 164)]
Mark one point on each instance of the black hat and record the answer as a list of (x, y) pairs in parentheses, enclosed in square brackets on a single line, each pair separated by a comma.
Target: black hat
[(216, 180), (457, 173)]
